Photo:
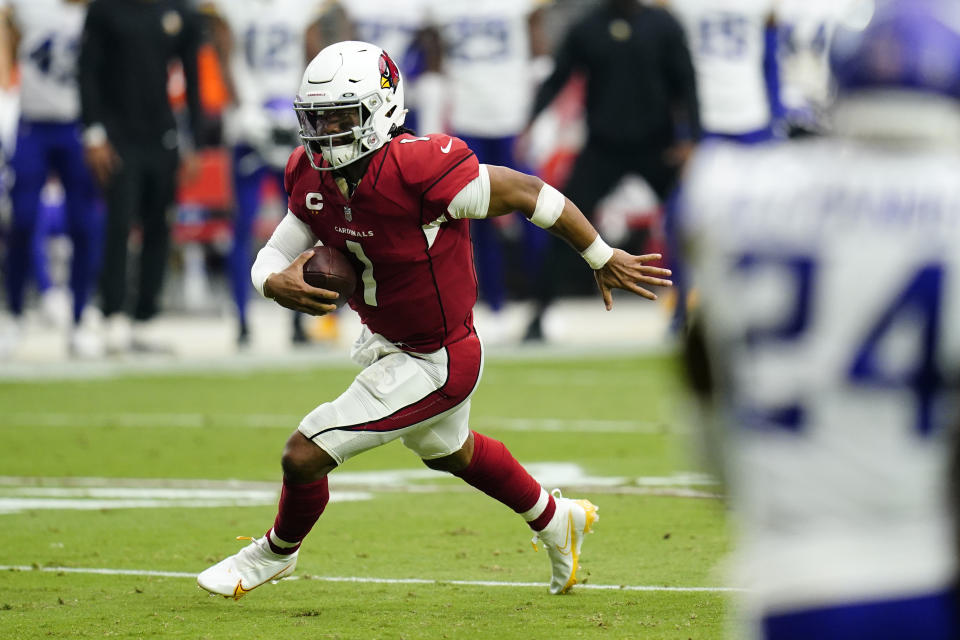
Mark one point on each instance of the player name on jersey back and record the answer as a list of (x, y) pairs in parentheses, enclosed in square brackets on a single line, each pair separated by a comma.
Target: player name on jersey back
[(812, 191), (829, 281)]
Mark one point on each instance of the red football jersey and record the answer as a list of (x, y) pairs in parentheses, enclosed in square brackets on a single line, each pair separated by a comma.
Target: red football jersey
[(417, 286)]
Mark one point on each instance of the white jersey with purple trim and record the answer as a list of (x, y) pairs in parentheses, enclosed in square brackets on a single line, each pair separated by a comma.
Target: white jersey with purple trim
[(487, 62), (47, 56), (727, 43), (830, 285), (806, 28), (269, 46), (389, 24)]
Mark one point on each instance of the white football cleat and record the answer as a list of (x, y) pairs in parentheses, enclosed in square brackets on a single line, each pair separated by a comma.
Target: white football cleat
[(56, 307), (86, 340), (247, 569), (118, 333), (563, 538), (11, 331)]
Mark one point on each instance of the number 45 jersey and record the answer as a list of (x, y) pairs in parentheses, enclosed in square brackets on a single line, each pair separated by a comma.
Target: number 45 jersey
[(417, 286), (829, 276), (47, 55), (726, 39)]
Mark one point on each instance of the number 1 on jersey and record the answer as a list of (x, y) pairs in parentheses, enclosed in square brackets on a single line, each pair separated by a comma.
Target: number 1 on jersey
[(369, 283)]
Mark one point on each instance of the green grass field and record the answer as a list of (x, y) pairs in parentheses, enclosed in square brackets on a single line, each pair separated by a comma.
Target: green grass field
[(116, 491)]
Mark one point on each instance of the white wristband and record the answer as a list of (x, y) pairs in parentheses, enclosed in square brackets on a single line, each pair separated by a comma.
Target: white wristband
[(598, 253), (550, 203)]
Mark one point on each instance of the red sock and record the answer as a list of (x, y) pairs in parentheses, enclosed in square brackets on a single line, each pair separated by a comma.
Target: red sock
[(498, 474), (300, 507)]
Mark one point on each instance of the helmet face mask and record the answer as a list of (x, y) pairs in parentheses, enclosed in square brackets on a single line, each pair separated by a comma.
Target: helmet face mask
[(333, 131), (349, 103)]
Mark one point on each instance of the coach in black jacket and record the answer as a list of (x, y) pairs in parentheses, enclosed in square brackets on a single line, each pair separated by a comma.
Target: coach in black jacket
[(641, 109), (131, 138)]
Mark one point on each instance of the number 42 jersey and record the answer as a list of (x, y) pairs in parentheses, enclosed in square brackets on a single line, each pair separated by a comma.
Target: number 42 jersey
[(829, 277), (417, 286)]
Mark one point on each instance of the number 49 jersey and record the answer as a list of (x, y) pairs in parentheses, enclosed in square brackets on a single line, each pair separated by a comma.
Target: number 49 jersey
[(47, 56), (830, 284), (417, 286)]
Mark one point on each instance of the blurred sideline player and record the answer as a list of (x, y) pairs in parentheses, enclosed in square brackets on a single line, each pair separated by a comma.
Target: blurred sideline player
[(399, 205), (733, 48), (263, 46), (829, 342), (494, 54), (399, 27), (47, 34)]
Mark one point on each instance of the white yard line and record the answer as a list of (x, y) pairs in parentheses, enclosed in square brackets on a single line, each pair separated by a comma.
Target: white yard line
[(569, 425), (560, 379), (269, 420), (20, 493), (229, 362), (363, 580), (52, 499), (150, 420)]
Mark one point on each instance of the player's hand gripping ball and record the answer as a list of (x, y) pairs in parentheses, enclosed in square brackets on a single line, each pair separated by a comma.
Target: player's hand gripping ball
[(329, 269)]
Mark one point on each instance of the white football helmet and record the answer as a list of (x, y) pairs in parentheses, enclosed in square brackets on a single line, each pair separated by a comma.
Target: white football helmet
[(350, 101)]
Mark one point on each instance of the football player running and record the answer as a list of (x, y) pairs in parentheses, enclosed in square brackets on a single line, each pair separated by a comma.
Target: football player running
[(399, 205), (829, 342)]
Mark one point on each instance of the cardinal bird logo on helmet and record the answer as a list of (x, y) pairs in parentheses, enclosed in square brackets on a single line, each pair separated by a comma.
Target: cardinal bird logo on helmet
[(389, 74)]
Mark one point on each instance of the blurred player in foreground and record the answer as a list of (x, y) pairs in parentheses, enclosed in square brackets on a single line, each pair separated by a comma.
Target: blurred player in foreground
[(400, 205), (829, 342), (47, 35)]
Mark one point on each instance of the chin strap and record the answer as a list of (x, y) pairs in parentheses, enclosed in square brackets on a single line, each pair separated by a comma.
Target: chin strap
[(399, 130)]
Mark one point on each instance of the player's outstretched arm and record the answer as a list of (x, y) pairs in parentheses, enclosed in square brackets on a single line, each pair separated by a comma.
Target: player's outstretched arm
[(548, 208)]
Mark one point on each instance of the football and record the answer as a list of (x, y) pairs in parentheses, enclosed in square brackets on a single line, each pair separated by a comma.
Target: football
[(329, 269)]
